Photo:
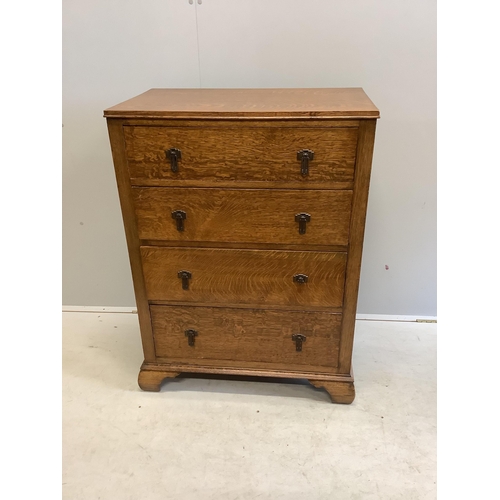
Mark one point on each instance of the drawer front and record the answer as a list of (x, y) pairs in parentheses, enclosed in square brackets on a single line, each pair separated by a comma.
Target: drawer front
[(201, 335), (223, 156), (304, 217), (256, 277)]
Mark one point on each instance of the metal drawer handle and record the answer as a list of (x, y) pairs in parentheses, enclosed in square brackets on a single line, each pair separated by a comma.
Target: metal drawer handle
[(191, 334), (302, 219), (299, 339), (300, 278), (185, 276), (305, 156), (174, 155), (179, 216)]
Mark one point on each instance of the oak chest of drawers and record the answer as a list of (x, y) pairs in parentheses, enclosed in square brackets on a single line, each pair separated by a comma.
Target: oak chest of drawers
[(244, 213)]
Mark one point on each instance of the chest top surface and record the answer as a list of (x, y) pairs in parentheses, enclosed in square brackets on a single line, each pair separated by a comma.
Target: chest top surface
[(251, 103)]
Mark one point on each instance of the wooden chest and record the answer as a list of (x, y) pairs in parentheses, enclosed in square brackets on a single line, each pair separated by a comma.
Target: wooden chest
[(244, 213)]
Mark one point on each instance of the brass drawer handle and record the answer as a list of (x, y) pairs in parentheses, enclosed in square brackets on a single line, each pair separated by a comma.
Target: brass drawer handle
[(185, 276), (300, 278), (302, 219), (174, 155), (191, 334), (179, 216), (299, 339), (305, 156)]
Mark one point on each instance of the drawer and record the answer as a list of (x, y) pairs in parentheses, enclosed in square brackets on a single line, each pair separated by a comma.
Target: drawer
[(251, 156), (225, 337), (256, 277), (244, 215)]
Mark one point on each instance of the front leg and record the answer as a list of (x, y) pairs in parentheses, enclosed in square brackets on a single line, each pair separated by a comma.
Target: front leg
[(340, 392), (150, 380)]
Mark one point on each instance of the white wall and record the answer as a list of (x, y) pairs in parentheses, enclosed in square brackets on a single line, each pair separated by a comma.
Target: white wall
[(114, 50)]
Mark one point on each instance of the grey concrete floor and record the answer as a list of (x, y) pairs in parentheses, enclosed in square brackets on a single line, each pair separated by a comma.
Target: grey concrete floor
[(206, 438)]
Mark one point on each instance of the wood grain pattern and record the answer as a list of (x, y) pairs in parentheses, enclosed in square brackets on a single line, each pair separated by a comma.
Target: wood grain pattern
[(151, 380), (278, 307), (244, 215), (225, 103), (340, 392), (242, 122), (248, 245), (172, 370), (222, 370), (266, 155), (115, 130), (299, 184), (262, 337), (245, 276), (358, 217)]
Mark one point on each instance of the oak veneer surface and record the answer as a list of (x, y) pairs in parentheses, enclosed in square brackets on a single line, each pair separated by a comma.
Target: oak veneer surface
[(262, 277), (267, 154), (244, 215), (330, 102), (241, 182), (253, 335)]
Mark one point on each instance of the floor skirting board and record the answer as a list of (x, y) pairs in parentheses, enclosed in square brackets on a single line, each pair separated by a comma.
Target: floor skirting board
[(100, 309), (396, 317), (361, 317)]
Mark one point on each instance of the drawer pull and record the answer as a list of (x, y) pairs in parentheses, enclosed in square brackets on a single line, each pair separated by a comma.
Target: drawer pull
[(305, 156), (174, 155), (191, 334), (302, 219), (179, 216), (300, 278), (185, 276), (299, 339)]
